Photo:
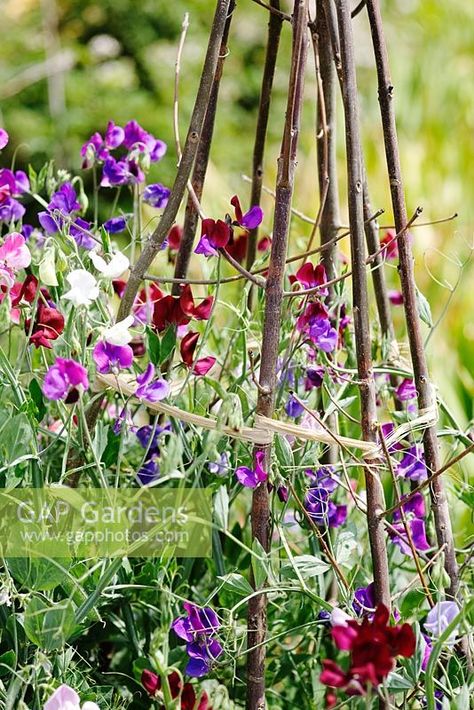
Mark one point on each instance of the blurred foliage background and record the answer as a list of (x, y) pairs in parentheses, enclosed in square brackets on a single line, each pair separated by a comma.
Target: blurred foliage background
[(68, 66)]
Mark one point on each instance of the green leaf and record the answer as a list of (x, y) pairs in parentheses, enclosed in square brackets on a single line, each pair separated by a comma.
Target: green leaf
[(424, 310), (259, 564), (154, 346), (168, 342), (346, 545), (309, 566), (397, 683), (16, 439), (37, 397), (221, 507), (38, 574), (7, 663), (49, 626), (99, 444), (111, 451), (237, 583), (284, 453)]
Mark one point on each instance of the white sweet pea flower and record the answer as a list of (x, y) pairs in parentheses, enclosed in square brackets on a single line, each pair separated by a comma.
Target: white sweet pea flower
[(115, 268), (84, 288), (119, 334)]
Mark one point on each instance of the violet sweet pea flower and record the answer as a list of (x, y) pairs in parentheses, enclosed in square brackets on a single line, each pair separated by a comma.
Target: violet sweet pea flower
[(115, 225), (323, 335), (149, 472), (364, 600), (293, 408), (197, 622), (412, 465), (150, 389), (112, 358), (221, 466), (62, 377), (156, 195), (252, 477), (406, 390), (201, 657), (439, 618)]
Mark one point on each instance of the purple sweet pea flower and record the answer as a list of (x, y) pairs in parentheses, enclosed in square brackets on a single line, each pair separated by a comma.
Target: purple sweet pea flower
[(149, 472), (111, 358), (11, 210), (114, 135), (198, 622), (204, 247), (293, 408), (314, 376), (150, 389), (22, 184), (221, 466), (65, 200), (395, 297), (120, 172), (4, 138), (136, 138), (364, 600), (148, 436), (79, 232), (427, 648), (62, 377), (252, 477), (439, 618), (156, 195), (115, 225), (412, 465), (418, 534), (322, 510), (406, 390), (202, 656), (323, 335), (415, 506), (323, 477)]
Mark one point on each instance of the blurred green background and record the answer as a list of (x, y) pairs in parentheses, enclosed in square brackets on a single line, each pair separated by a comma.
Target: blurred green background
[(68, 66)]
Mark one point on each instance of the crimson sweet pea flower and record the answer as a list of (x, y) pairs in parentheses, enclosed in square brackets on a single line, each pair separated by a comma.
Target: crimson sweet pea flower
[(187, 348), (373, 646), (48, 325), (178, 310), (310, 276), (152, 684)]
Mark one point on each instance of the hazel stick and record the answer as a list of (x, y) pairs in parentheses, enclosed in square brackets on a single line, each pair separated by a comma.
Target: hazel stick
[(439, 501), (375, 496), (260, 515)]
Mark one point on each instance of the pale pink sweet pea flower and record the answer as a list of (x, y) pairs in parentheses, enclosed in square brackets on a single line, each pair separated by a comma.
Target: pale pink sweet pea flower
[(65, 698)]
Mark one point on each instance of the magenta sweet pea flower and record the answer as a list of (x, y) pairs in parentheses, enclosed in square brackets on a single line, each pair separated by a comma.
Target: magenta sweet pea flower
[(252, 477), (136, 138), (64, 378), (112, 358), (310, 276), (150, 389), (4, 138), (406, 390)]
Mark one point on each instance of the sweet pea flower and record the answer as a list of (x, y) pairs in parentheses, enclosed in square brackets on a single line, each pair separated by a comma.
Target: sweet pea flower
[(156, 195), (364, 600), (187, 696), (406, 390), (65, 698), (150, 389), (310, 276), (117, 265), (412, 466), (115, 225), (83, 289), (221, 466), (249, 220), (198, 629), (214, 235), (63, 378), (395, 297), (187, 348), (252, 477), (4, 138), (119, 333), (120, 172), (293, 408), (48, 326), (14, 253), (136, 138), (414, 510), (439, 618), (111, 358)]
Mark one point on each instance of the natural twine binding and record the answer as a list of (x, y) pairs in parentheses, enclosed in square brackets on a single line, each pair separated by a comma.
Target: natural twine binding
[(264, 429)]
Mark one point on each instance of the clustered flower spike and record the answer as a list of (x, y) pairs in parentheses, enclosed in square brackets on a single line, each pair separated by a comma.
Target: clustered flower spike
[(318, 504), (198, 628), (373, 647)]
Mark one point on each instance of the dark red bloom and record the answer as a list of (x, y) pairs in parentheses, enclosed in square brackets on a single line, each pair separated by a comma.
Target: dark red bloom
[(119, 286), (264, 243), (237, 247), (152, 684), (25, 291), (187, 348), (373, 646), (178, 310), (390, 243), (48, 325), (310, 276), (174, 237)]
